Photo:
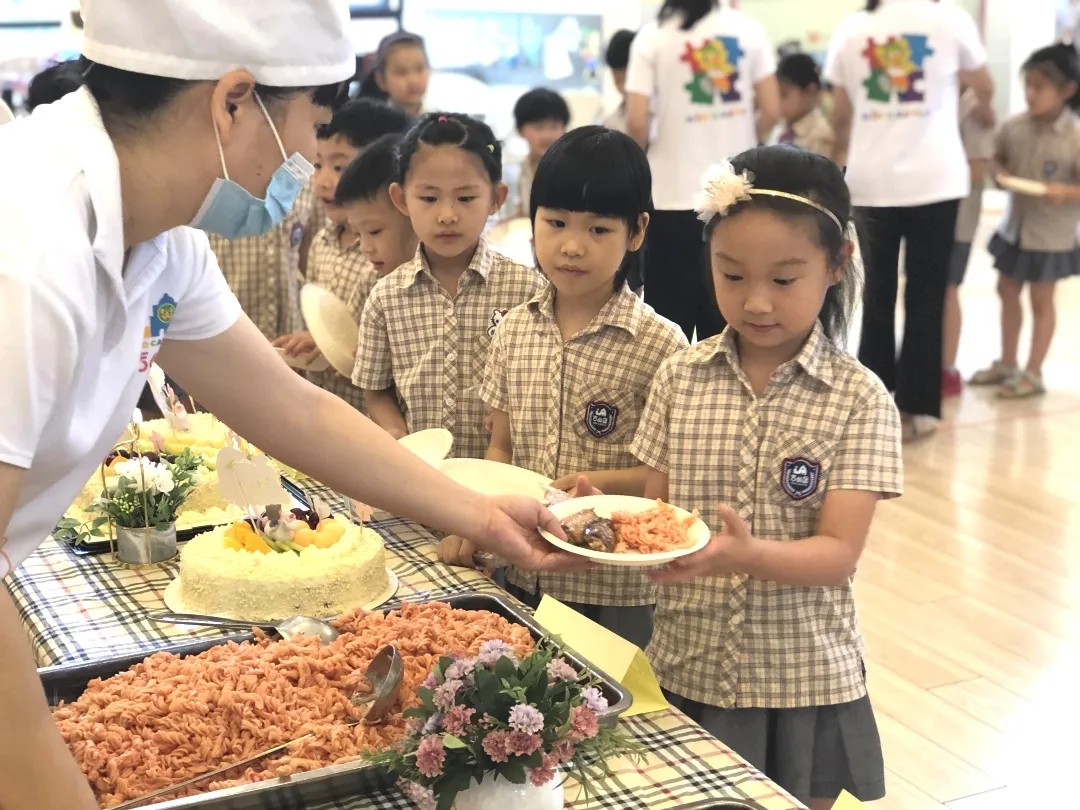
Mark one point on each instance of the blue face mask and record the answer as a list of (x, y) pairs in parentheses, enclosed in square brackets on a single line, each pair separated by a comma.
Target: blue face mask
[(231, 211)]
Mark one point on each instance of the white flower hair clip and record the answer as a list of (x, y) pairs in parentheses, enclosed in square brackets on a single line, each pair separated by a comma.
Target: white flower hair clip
[(723, 188)]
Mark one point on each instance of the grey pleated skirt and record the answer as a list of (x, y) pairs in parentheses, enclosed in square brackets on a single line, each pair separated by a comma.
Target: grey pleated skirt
[(1033, 265), (813, 753)]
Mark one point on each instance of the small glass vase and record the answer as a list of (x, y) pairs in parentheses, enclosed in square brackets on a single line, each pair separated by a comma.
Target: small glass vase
[(145, 546), (499, 794)]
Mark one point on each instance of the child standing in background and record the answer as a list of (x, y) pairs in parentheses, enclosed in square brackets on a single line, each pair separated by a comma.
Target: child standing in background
[(1036, 245), (617, 58), (785, 444), (979, 147), (541, 117), (569, 372), (427, 327), (401, 73), (805, 125), (335, 262)]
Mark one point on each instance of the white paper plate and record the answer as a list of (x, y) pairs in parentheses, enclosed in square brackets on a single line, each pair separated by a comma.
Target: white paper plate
[(331, 324), (493, 478), (1021, 185), (175, 602), (605, 506), (431, 445), (305, 362)]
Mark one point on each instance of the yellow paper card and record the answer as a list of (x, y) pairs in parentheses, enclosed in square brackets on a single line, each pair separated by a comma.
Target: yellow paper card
[(848, 802), (615, 655)]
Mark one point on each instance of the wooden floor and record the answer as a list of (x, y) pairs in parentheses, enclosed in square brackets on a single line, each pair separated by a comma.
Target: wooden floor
[(969, 591)]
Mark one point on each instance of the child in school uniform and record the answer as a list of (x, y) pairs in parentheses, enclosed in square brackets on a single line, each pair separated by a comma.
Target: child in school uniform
[(401, 73), (569, 372), (427, 327), (617, 57), (335, 261), (541, 116), (979, 147), (805, 125), (1036, 244), (785, 444)]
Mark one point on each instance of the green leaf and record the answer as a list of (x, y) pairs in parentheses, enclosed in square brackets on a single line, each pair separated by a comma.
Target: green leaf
[(505, 669), (450, 741), (417, 712), (446, 799), (513, 771), (487, 685), (427, 698), (534, 760)]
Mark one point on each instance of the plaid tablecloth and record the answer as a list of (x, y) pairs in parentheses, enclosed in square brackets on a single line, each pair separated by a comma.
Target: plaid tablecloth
[(78, 609)]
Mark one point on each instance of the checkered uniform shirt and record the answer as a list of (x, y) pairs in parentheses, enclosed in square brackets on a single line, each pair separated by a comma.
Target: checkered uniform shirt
[(433, 347), (574, 407), (345, 273), (264, 272), (824, 423)]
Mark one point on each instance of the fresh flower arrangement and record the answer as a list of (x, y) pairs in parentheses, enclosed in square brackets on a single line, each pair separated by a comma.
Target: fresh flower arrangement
[(144, 490), (494, 715)]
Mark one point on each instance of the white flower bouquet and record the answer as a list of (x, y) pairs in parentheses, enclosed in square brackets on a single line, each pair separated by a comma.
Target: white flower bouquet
[(142, 492)]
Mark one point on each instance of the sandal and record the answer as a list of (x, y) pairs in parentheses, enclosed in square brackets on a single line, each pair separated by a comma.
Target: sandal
[(997, 374), (1023, 385), (916, 427)]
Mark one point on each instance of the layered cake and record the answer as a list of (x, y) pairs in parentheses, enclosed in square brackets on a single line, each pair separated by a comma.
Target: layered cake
[(202, 432), (271, 570)]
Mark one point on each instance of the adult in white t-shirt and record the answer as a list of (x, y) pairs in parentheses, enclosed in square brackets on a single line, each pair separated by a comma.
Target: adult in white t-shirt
[(99, 278), (702, 78), (896, 70)]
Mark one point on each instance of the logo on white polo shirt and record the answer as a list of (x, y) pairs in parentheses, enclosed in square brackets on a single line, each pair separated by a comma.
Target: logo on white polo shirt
[(799, 478), (496, 318), (896, 68), (161, 315), (715, 68)]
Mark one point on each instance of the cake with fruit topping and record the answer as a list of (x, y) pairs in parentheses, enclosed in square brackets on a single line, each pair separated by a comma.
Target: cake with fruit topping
[(284, 564), (202, 432)]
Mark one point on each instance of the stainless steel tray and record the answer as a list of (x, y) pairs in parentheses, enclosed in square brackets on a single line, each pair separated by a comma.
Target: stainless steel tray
[(325, 784)]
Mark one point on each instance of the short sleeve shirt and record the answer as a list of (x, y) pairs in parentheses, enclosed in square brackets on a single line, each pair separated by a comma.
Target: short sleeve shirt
[(1049, 153), (701, 83), (978, 146), (823, 423), (900, 66), (433, 347), (574, 407), (812, 132), (345, 273)]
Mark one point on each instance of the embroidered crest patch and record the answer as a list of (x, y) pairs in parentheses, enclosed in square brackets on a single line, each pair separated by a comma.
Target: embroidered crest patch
[(296, 235), (601, 418), (496, 318), (799, 477)]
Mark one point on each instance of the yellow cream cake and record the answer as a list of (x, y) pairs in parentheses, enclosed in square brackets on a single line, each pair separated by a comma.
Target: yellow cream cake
[(206, 436), (235, 572)]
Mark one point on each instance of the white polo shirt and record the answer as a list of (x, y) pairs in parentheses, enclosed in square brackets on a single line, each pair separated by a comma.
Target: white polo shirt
[(900, 67), (79, 326), (701, 83)]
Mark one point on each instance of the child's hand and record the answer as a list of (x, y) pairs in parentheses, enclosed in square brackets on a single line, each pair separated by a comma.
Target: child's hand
[(577, 486), (1058, 194), (489, 422), (725, 554), (296, 344), (454, 550)]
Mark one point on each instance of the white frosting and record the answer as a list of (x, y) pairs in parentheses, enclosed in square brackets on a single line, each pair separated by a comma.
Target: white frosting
[(206, 437), (220, 581)]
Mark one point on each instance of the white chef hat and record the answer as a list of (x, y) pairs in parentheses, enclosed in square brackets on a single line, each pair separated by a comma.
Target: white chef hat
[(283, 43)]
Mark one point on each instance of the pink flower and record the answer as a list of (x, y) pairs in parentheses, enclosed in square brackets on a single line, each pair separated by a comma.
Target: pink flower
[(594, 699), (559, 670), (496, 746), (546, 772), (413, 726), (563, 750), (423, 797), (526, 718), (522, 744), (446, 694), (430, 756), (583, 720), (487, 721), (430, 682), (457, 720)]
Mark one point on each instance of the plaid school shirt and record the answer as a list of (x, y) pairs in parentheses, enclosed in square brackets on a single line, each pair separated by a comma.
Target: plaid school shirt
[(433, 347), (345, 273), (824, 423), (574, 407)]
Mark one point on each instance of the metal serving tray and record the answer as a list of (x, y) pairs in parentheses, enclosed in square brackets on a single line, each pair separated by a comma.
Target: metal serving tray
[(325, 784)]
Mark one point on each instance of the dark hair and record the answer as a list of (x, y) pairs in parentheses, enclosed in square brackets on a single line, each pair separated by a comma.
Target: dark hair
[(1060, 65), (799, 69), (124, 97), (369, 87), (53, 83), (362, 121), (370, 172), (690, 11), (452, 129), (617, 55), (600, 171), (806, 174), (541, 104)]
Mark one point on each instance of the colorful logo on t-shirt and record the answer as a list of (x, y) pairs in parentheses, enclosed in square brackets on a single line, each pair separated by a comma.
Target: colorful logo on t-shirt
[(896, 68), (715, 65), (161, 315)]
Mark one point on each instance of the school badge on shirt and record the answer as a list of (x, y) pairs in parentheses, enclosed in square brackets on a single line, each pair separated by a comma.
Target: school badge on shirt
[(496, 318), (799, 478), (296, 235), (601, 418), (161, 315)]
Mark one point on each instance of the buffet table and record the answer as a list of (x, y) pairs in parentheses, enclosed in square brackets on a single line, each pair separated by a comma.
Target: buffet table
[(79, 609)]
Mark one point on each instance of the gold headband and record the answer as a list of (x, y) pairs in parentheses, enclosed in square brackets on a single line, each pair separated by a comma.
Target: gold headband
[(723, 188)]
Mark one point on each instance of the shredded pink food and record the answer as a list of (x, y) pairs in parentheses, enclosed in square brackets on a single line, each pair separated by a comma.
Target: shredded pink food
[(167, 718)]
